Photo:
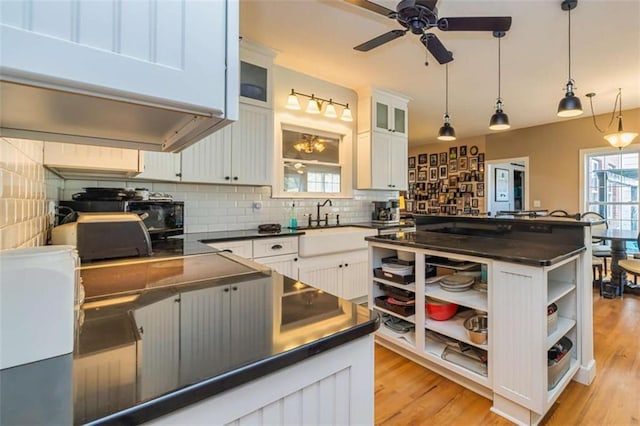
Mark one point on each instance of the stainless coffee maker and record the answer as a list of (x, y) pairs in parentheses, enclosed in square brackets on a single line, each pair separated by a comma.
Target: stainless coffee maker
[(386, 212)]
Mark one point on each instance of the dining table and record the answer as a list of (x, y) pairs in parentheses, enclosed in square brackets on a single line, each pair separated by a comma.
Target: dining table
[(618, 237)]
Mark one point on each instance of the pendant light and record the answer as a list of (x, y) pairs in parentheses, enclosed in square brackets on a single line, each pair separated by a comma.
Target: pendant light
[(499, 120), (446, 133), (570, 105), (619, 139)]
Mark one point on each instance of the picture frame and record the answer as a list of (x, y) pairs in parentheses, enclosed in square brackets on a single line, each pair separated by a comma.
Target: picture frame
[(473, 150), (463, 163), (453, 153), (481, 176), (474, 203), (433, 160), (422, 159), (463, 151), (481, 166), (422, 206), (412, 175), (481, 157), (443, 158), (453, 181), (412, 162), (502, 184), (453, 166), (433, 174), (422, 176), (473, 163), (443, 172), (463, 188)]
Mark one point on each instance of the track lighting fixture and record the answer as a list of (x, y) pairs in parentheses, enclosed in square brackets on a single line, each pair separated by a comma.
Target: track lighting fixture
[(499, 120), (570, 105), (619, 139), (315, 105), (446, 133)]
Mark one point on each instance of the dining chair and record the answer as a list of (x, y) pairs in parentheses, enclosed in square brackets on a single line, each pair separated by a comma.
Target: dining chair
[(598, 246), (558, 213), (632, 266)]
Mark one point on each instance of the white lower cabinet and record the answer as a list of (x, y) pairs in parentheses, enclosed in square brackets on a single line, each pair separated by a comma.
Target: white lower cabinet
[(242, 248), (286, 264), (512, 366), (343, 275)]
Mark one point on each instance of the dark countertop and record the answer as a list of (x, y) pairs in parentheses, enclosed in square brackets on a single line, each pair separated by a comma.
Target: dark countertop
[(533, 253), (173, 306)]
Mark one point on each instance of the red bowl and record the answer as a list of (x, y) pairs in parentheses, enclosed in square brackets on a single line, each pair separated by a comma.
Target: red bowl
[(441, 311)]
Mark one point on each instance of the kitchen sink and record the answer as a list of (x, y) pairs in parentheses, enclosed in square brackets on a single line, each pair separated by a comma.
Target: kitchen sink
[(319, 241)]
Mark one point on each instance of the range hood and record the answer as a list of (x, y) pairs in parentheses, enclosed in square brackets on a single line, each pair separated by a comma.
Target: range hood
[(41, 113)]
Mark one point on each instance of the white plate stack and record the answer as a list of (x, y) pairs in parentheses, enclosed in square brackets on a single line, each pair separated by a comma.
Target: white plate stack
[(457, 282)]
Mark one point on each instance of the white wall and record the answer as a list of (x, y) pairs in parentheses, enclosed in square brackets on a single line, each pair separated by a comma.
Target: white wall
[(27, 191)]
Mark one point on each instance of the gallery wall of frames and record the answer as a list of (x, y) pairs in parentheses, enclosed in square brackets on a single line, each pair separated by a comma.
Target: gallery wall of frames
[(447, 182)]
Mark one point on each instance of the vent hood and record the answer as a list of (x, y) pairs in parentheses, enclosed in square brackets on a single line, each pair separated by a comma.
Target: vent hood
[(40, 113)]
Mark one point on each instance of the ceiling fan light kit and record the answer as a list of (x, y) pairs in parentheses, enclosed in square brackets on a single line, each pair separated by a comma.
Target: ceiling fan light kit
[(621, 138), (570, 105), (315, 105), (499, 120)]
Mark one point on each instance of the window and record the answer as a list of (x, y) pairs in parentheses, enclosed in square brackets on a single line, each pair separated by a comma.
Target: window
[(312, 163), (612, 188)]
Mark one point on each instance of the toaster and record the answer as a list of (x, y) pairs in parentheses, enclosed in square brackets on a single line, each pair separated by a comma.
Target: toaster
[(99, 236)]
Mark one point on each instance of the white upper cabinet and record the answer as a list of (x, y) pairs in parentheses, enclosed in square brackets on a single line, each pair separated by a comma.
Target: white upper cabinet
[(163, 166), (154, 75), (75, 160), (382, 140), (239, 154)]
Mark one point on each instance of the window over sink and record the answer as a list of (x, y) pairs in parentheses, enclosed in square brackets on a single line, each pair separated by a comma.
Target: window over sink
[(312, 163)]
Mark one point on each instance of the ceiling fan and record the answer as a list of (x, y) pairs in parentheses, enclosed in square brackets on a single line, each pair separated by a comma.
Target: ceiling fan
[(418, 16)]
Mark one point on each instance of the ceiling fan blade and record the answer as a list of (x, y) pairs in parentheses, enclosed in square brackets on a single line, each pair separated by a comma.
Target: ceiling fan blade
[(476, 23), (380, 40), (373, 7), (436, 48)]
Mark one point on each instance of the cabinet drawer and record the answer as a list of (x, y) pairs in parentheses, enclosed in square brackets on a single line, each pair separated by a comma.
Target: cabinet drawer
[(273, 246), (241, 248)]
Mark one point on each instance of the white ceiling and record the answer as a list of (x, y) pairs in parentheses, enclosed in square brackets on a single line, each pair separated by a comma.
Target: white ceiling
[(316, 37)]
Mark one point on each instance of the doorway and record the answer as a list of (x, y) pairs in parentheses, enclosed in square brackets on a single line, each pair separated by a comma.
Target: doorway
[(507, 182)]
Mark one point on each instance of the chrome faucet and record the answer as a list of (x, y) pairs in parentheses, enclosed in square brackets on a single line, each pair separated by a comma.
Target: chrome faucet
[(317, 220)]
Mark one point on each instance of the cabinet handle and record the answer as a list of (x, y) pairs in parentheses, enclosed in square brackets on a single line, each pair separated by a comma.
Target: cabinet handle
[(228, 250), (276, 247), (177, 300), (141, 330), (339, 266), (235, 178), (295, 259), (226, 290), (235, 288), (346, 264), (227, 178), (179, 174)]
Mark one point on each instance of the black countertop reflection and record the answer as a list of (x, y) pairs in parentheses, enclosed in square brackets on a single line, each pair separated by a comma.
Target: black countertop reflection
[(535, 253), (176, 344)]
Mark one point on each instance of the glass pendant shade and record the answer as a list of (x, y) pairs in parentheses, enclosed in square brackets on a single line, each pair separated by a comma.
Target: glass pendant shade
[(330, 111), (570, 105), (292, 102), (620, 139), (346, 114), (313, 107)]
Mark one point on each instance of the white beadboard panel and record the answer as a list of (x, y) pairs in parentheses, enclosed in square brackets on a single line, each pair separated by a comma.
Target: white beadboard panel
[(135, 26), (158, 324), (210, 159), (169, 38), (96, 23), (53, 18), (518, 344), (252, 153)]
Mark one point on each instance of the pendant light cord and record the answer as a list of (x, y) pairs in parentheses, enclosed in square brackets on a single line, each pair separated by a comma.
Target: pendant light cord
[(499, 97), (569, 44), (446, 89), (617, 102)]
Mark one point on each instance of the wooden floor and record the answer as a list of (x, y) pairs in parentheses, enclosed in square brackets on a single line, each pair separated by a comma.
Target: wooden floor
[(408, 394)]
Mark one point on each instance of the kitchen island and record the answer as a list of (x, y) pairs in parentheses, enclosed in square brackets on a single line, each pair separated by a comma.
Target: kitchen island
[(523, 270)]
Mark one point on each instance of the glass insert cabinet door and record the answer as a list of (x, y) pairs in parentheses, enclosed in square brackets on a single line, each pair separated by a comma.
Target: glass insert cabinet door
[(253, 81), (311, 162)]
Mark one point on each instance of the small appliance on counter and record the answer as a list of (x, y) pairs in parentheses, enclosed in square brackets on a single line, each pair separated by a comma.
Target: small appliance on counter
[(386, 212), (105, 236)]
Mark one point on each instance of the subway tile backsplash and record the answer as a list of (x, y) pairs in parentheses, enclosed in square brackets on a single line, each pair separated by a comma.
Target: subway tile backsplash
[(28, 193), (225, 208)]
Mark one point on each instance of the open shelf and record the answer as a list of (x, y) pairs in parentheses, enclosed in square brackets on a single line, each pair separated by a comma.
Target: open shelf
[(558, 289), (554, 393), (407, 339), (564, 325), (474, 370), (410, 287), (453, 328), (410, 318), (452, 264), (471, 298)]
